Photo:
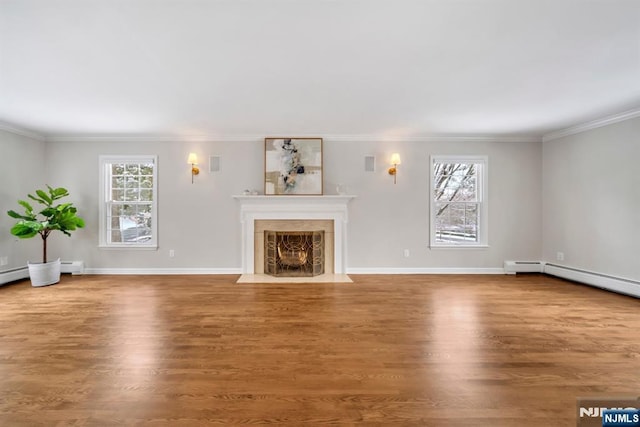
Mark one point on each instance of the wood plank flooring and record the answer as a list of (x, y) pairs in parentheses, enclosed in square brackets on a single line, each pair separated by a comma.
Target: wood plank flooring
[(385, 350)]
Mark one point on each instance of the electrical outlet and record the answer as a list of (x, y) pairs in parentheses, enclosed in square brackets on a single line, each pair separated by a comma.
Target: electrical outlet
[(560, 256), (406, 253), (172, 253), (4, 260)]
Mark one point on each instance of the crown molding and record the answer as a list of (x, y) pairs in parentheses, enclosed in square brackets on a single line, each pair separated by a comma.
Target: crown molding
[(256, 138), (593, 124), (435, 138), (572, 130), (152, 138), (22, 132)]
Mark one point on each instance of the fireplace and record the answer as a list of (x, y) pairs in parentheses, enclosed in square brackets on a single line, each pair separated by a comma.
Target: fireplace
[(292, 235), (294, 253), (294, 213)]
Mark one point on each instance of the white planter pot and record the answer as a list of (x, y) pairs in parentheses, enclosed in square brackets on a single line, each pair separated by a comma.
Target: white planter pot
[(43, 274)]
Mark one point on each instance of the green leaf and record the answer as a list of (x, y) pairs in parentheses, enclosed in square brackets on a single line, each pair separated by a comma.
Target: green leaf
[(26, 229), (44, 196), (48, 212), (27, 207), (57, 193), (16, 215), (63, 207)]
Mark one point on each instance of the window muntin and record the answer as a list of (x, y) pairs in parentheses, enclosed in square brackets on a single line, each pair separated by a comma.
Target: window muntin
[(458, 208), (128, 215)]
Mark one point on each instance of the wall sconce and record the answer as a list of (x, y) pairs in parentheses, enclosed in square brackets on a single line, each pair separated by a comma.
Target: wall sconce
[(193, 161), (395, 161)]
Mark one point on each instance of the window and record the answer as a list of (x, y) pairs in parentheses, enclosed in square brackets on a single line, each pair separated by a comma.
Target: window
[(458, 201), (128, 202)]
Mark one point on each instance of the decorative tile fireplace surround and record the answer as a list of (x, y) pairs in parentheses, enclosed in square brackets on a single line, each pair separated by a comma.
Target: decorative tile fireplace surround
[(296, 209)]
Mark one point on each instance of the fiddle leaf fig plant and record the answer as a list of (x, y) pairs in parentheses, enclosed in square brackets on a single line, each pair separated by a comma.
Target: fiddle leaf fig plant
[(54, 216)]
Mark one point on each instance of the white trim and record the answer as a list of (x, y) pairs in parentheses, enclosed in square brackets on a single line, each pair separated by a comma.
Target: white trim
[(453, 246), (73, 267), (254, 208), (159, 271), (391, 270), (336, 138), (514, 267), (22, 132), (593, 124), (603, 281), (483, 192), (127, 247), (14, 274), (153, 138), (19, 273), (103, 159)]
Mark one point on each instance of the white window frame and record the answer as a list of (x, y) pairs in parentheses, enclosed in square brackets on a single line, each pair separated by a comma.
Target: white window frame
[(483, 205), (104, 196)]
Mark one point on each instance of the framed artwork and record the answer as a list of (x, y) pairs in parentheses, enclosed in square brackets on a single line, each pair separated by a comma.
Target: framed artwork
[(293, 166)]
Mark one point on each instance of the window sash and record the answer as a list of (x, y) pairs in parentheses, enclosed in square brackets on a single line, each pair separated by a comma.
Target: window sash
[(465, 230), (128, 227), (463, 195), (128, 211)]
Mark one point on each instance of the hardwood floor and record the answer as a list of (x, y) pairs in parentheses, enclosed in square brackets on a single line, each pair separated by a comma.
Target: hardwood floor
[(384, 350)]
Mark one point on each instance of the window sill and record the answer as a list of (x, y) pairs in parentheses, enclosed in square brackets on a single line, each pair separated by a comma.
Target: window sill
[(128, 247), (449, 247)]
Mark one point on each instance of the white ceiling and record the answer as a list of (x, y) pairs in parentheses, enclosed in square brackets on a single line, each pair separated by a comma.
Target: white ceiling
[(404, 68)]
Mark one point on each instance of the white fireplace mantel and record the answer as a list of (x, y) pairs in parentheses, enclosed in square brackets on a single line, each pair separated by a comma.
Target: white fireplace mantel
[(334, 208)]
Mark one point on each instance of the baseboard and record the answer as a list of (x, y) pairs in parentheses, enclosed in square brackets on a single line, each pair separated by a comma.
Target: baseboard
[(13, 275), (425, 271), (159, 271), (162, 271), (603, 281), (70, 267), (611, 283)]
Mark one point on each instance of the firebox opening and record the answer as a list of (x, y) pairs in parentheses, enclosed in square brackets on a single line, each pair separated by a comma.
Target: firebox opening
[(294, 253)]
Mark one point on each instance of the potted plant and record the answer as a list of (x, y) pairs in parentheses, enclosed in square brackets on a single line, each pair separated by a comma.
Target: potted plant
[(54, 216)]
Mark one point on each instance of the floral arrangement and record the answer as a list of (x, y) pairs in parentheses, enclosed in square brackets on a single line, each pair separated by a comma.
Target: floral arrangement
[(290, 162)]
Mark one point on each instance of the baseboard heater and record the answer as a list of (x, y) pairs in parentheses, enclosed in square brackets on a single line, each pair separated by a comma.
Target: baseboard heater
[(603, 281), (14, 274), (513, 267), (71, 267)]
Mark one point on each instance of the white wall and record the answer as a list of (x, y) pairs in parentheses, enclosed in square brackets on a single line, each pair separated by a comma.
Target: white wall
[(587, 184), (387, 218), (198, 221), (591, 193), (201, 221), (22, 170)]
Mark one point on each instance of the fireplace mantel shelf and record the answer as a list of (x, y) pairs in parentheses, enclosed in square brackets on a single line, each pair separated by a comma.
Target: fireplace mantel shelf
[(335, 198)]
